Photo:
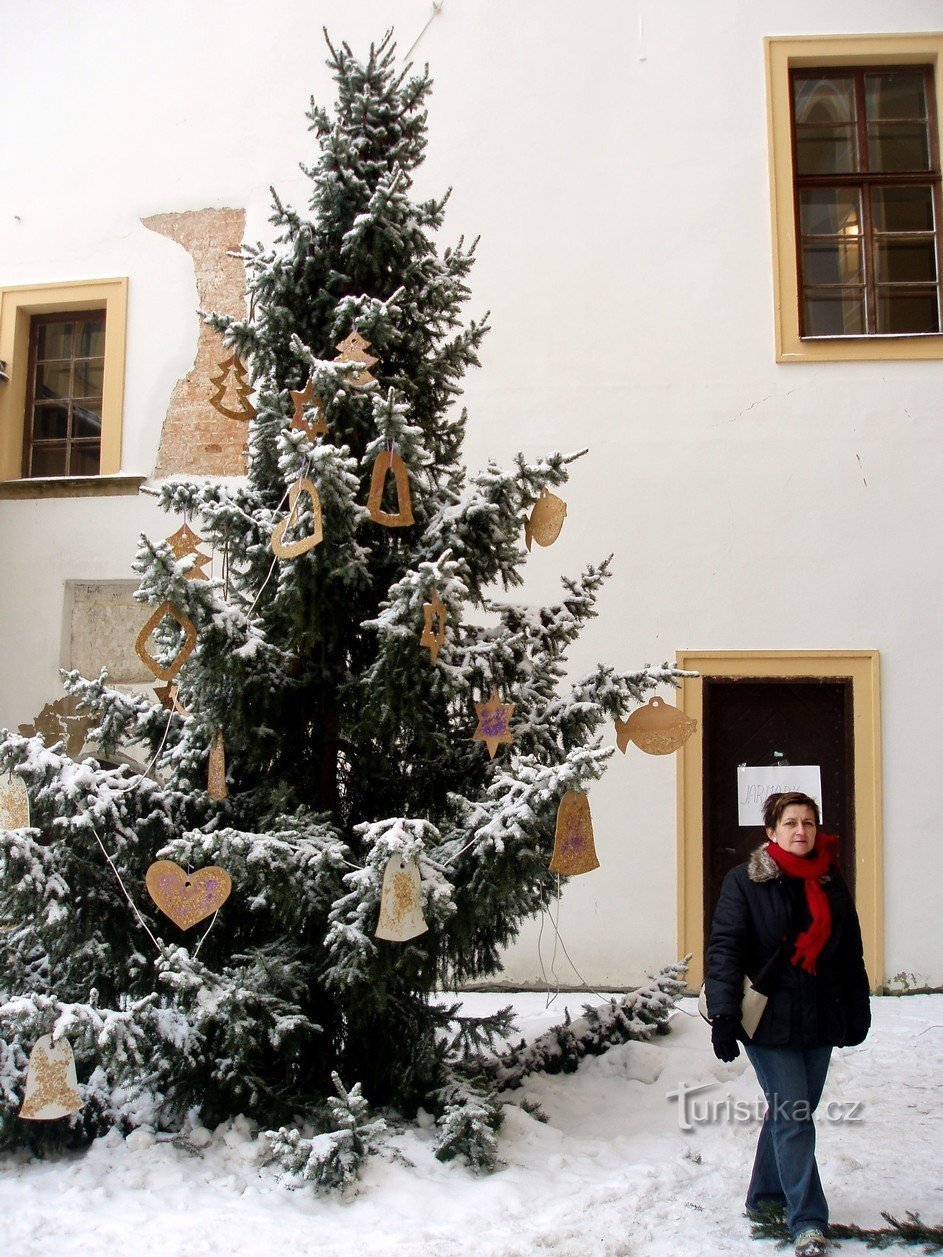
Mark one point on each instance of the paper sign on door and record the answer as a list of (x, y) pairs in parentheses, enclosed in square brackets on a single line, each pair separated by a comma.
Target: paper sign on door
[(754, 785)]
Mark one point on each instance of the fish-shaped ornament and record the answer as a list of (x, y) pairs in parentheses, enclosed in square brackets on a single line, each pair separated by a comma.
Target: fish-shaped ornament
[(52, 1089), (401, 901), (574, 850), (658, 728), (546, 520), (14, 802)]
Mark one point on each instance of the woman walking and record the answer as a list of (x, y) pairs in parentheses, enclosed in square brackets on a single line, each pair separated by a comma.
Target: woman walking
[(785, 919)]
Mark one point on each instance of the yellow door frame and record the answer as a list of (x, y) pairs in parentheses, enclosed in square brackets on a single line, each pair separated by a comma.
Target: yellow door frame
[(863, 667)]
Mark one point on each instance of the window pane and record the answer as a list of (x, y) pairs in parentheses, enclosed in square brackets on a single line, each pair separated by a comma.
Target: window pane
[(48, 460), (902, 209), (908, 311), (86, 419), (829, 212), (896, 95), (904, 261), (91, 339), (52, 380), (88, 378), (834, 313), (51, 422), (898, 146), (824, 100), (826, 150), (54, 340), (832, 262), (85, 459)]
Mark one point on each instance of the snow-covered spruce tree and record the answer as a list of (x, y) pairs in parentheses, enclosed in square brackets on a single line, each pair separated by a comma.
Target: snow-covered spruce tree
[(346, 745)]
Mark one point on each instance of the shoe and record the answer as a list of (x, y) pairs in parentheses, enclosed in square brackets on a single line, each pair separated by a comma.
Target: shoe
[(810, 1243)]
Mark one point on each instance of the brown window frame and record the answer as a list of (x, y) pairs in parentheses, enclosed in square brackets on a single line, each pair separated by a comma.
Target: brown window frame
[(864, 181), (36, 321)]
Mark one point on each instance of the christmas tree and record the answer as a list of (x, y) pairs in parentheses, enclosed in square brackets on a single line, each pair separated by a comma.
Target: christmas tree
[(348, 744)]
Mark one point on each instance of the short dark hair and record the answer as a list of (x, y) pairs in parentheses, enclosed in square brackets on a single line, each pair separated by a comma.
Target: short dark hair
[(776, 804)]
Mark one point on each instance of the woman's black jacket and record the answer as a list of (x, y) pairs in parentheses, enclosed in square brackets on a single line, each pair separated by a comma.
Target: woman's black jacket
[(759, 906)]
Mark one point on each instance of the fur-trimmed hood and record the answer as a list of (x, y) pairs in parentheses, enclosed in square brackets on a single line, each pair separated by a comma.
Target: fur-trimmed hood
[(761, 867)]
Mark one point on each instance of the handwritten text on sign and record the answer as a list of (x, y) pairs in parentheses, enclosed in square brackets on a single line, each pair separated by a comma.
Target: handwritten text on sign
[(754, 785)]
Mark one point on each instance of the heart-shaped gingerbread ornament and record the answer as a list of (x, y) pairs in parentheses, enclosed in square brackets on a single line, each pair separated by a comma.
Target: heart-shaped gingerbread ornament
[(187, 898), (292, 549)]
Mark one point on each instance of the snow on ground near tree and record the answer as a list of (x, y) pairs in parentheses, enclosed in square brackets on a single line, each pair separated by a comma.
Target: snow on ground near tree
[(611, 1172)]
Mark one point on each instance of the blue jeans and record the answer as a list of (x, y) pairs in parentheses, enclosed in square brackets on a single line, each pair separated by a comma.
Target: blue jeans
[(784, 1169)]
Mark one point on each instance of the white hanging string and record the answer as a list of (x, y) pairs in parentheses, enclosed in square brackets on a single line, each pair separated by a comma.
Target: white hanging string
[(206, 931), (160, 950)]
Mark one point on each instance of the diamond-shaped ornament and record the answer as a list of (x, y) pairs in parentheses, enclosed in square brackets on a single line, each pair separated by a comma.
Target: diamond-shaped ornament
[(186, 649)]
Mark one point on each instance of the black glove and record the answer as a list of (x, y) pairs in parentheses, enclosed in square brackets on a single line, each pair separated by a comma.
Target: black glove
[(724, 1038)]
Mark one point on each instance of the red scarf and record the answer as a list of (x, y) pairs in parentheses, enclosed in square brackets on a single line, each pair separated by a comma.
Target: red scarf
[(810, 868)]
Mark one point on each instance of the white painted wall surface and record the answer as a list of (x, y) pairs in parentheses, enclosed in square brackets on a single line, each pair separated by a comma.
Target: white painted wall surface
[(613, 159)]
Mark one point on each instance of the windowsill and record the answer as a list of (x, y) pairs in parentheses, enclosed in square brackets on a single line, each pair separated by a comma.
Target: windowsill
[(71, 487), (866, 336)]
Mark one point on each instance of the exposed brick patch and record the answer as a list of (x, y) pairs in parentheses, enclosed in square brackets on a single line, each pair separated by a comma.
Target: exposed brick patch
[(195, 438)]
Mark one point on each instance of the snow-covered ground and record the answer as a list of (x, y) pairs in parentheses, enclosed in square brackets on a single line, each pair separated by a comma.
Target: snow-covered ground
[(611, 1172)]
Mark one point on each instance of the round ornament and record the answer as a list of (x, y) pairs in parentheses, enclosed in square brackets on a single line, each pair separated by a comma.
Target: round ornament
[(546, 520)]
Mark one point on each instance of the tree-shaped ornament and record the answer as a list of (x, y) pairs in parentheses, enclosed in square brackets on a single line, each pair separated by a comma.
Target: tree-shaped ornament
[(187, 898), (657, 728), (574, 850), (546, 520), (306, 400), (434, 613), (233, 390), (292, 549), (52, 1089), (353, 348), (400, 902), (185, 542), (14, 802), (494, 722), (166, 672), (386, 462)]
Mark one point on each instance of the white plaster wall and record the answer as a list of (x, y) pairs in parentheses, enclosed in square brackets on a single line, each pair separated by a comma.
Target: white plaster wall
[(613, 159)]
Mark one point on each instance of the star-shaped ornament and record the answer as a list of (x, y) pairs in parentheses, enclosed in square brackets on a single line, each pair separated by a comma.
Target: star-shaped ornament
[(494, 722), (168, 697), (307, 399), (185, 542), (434, 612), (353, 348)]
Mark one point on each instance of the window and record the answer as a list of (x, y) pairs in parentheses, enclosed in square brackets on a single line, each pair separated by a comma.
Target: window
[(64, 406), (856, 196), (61, 406), (866, 167)]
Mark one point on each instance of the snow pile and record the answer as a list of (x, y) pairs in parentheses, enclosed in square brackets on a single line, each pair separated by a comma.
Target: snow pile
[(621, 1166)]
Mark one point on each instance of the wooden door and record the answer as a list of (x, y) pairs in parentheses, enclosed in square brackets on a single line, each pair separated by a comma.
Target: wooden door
[(808, 720)]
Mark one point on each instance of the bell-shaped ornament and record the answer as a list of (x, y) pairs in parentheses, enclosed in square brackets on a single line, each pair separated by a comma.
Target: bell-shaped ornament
[(401, 901), (51, 1087), (14, 802), (389, 461), (657, 728), (574, 850)]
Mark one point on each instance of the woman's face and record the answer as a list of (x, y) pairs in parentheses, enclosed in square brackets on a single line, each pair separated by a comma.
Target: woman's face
[(796, 830)]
